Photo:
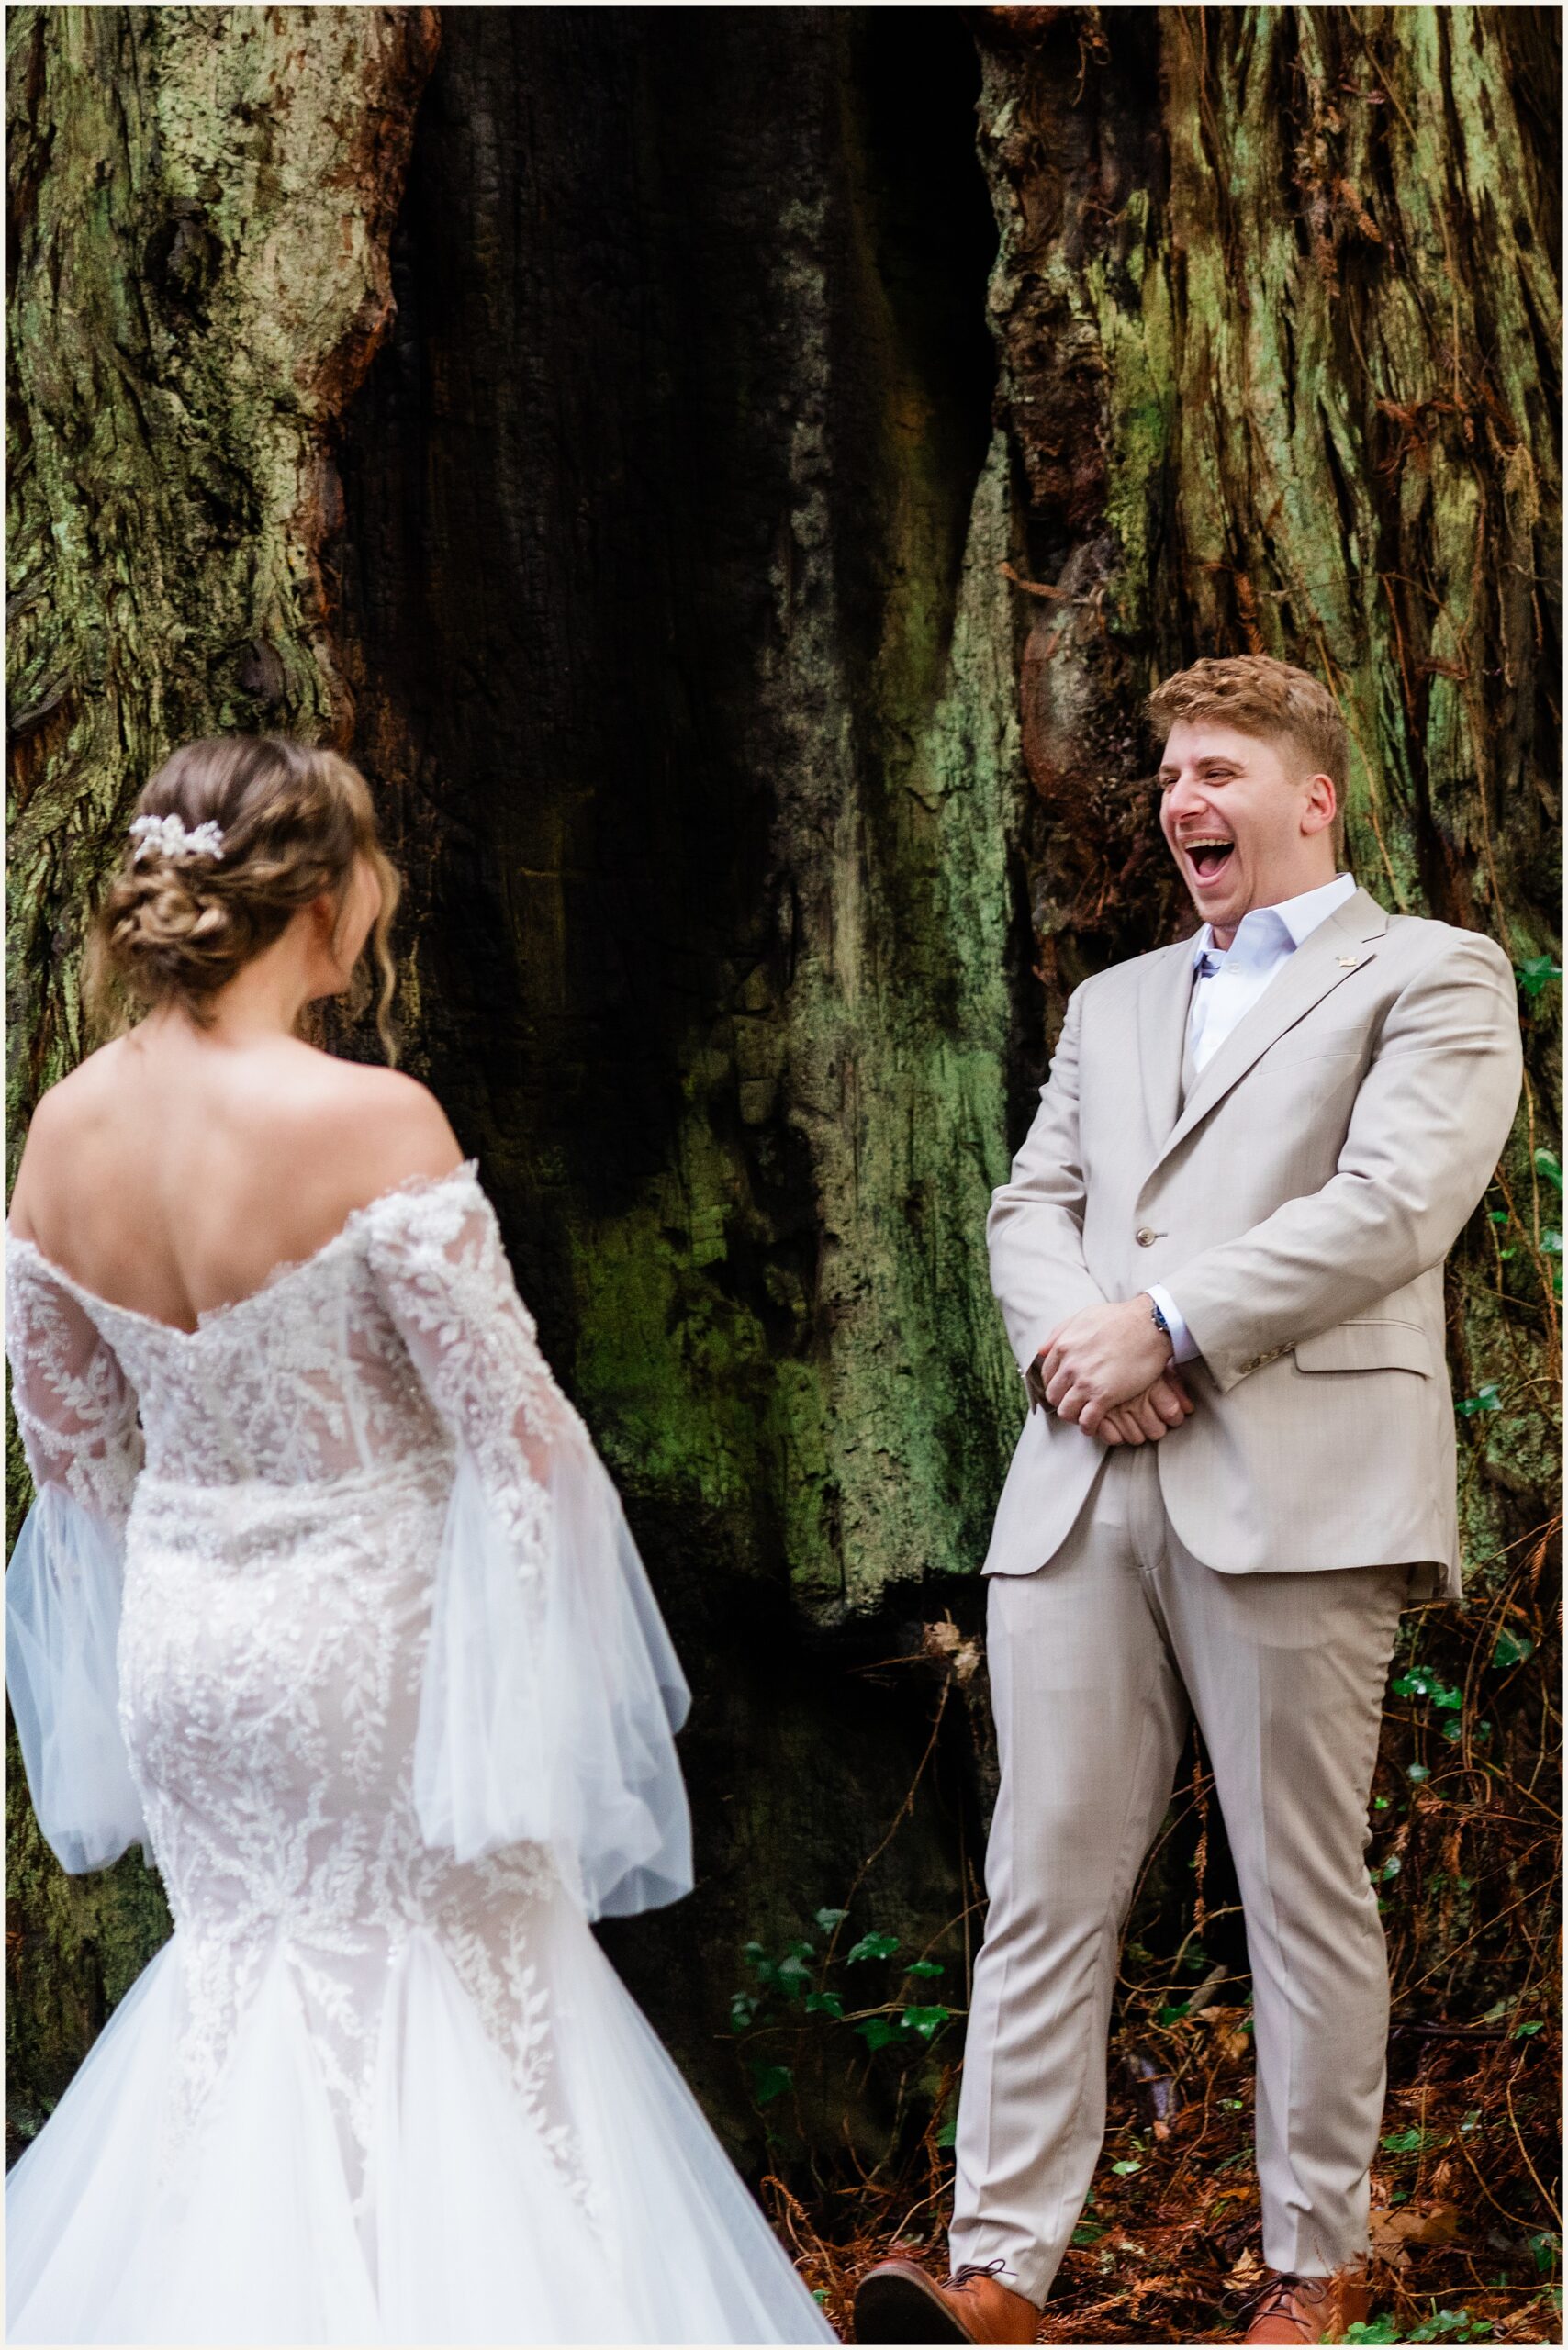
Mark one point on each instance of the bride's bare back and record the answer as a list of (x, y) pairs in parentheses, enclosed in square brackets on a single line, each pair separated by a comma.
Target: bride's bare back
[(171, 1172)]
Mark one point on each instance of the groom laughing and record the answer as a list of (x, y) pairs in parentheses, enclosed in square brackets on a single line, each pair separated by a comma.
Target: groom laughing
[(1220, 1261)]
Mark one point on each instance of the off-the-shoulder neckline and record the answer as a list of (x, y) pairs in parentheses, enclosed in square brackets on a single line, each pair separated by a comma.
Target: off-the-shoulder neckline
[(283, 1270)]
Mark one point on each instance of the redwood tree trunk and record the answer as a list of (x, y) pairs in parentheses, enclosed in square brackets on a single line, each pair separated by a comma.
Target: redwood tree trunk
[(200, 201), (745, 628), (1279, 315)]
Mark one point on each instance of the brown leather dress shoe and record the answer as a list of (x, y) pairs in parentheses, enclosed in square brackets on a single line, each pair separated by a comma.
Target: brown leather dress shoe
[(1310, 2308), (896, 2301)]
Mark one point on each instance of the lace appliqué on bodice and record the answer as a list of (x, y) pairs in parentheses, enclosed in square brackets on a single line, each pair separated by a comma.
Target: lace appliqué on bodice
[(442, 1265), (282, 1503)]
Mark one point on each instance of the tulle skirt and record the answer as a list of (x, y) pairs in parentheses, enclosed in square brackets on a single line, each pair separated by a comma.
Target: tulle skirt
[(465, 2228)]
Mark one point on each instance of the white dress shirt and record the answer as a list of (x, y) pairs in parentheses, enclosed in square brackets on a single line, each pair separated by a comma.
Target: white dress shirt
[(1230, 980)]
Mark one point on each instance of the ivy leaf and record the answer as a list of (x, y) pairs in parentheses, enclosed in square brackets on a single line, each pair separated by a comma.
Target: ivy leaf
[(762, 1966), (926, 1968), (1547, 1163), (877, 2031), (826, 1919), (1420, 1682), (872, 1946), (794, 1975), (1536, 976), (1173, 2015), (1487, 1400), (1512, 1648), (770, 2081), (1126, 2169), (743, 2012), (927, 2021), (823, 2003), (1526, 2030)]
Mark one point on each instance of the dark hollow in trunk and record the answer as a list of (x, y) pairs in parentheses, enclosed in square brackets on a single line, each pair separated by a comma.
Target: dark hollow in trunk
[(690, 316)]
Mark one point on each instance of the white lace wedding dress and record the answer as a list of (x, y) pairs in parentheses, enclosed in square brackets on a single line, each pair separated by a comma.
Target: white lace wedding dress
[(349, 1633)]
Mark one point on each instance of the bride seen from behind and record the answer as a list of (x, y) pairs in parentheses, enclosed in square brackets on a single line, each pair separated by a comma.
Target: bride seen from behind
[(327, 1601)]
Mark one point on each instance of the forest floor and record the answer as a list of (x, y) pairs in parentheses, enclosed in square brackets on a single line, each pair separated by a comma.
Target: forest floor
[(1167, 2249), (1466, 2220)]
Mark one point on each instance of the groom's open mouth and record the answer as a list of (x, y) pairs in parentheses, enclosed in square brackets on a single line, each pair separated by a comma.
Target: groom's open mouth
[(1208, 854)]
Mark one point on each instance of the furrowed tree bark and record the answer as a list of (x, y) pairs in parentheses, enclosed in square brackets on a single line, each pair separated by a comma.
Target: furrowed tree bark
[(1277, 313), (200, 201), (694, 712)]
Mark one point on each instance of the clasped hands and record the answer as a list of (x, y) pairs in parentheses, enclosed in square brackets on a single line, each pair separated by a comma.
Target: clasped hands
[(1109, 1368)]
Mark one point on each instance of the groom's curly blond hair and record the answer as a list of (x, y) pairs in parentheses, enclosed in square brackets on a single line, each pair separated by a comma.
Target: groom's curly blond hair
[(1270, 699)]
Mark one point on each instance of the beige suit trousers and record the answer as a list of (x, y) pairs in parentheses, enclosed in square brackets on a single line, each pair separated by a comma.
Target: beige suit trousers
[(1095, 1660)]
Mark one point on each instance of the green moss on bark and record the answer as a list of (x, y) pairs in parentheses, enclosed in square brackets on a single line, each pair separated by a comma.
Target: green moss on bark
[(201, 201)]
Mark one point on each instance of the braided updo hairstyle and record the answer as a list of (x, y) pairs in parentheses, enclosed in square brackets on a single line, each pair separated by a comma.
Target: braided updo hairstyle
[(293, 816)]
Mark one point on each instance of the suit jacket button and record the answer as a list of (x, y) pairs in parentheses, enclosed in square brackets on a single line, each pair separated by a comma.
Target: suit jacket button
[(1145, 1238)]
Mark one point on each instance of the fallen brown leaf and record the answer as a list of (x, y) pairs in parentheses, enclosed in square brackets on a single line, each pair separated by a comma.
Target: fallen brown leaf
[(1393, 2232)]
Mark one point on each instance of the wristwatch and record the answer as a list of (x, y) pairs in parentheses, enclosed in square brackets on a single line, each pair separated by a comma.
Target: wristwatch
[(1161, 1324)]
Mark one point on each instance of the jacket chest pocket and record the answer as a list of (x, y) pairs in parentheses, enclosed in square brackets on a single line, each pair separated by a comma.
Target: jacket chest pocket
[(1300, 1052)]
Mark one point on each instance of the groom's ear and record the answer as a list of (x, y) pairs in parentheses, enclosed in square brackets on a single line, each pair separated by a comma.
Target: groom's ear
[(1320, 810)]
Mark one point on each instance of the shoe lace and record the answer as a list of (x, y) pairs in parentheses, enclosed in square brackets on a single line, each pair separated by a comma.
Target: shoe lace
[(1273, 2296), (976, 2268)]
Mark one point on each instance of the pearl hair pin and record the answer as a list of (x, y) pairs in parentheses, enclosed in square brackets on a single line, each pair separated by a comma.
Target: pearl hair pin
[(167, 836)]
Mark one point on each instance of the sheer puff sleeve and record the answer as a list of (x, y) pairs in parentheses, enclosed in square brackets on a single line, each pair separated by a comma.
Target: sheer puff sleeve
[(551, 1691), (77, 1416)]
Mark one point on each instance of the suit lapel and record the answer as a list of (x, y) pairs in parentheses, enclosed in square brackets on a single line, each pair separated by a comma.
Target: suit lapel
[(1336, 947), (1165, 992)]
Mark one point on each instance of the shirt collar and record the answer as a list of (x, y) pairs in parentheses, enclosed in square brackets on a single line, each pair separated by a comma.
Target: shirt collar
[(1298, 917)]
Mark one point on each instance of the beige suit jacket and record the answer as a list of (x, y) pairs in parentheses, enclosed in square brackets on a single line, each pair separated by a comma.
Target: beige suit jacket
[(1298, 1208)]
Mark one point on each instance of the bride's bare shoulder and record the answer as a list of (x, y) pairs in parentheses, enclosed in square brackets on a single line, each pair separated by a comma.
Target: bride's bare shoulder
[(296, 1136), (377, 1128), (62, 1114), (81, 1087)]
